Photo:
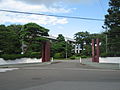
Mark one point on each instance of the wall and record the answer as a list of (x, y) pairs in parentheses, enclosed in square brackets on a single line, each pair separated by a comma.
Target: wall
[(19, 61), (109, 60)]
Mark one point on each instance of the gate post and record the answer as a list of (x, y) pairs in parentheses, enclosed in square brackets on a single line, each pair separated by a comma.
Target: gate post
[(95, 50), (46, 51)]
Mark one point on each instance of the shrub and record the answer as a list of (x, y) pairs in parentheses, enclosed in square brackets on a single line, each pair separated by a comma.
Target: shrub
[(73, 57), (18, 56), (58, 55), (118, 54), (110, 54), (34, 55), (83, 56), (11, 56), (104, 55), (78, 54)]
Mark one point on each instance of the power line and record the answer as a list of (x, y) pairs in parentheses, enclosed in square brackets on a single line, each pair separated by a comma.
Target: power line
[(73, 17)]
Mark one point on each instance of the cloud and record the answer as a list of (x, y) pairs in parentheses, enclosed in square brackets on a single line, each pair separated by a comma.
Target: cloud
[(6, 17), (46, 2), (52, 2), (23, 19), (17, 5)]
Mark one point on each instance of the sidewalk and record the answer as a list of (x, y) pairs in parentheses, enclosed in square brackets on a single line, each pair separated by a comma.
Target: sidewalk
[(23, 65), (89, 62)]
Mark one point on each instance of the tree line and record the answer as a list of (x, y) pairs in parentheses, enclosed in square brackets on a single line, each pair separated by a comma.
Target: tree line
[(13, 37), (112, 26)]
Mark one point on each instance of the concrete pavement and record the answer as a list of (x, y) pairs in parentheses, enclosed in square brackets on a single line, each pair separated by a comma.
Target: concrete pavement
[(68, 75), (89, 62)]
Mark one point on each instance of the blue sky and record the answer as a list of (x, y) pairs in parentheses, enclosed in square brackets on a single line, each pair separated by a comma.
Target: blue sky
[(65, 26)]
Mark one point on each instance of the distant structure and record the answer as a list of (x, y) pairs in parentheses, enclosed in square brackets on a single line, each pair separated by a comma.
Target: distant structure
[(77, 47)]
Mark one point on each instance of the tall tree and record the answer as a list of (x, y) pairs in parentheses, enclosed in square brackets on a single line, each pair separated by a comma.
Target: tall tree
[(59, 47), (60, 38), (32, 33), (112, 23), (9, 41), (82, 37)]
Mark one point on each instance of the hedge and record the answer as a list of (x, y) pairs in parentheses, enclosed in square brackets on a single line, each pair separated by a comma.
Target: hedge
[(18, 56)]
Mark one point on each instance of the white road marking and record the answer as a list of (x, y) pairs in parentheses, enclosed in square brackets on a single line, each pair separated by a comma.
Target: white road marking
[(7, 69)]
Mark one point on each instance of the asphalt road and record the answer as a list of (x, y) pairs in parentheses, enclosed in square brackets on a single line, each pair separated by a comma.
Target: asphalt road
[(60, 76)]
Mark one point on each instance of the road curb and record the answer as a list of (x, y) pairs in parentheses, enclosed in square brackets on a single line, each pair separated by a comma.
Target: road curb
[(102, 65), (23, 65)]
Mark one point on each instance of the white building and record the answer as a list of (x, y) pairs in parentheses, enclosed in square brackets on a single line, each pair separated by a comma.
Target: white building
[(76, 49)]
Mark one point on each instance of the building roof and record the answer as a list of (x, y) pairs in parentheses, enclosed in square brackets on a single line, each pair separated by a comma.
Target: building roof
[(66, 38)]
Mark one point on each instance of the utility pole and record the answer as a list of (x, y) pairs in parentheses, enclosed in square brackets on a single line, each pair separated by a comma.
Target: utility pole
[(106, 41), (66, 53), (66, 50)]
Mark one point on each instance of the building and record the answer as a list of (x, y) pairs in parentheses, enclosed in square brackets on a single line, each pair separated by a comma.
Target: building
[(76, 49)]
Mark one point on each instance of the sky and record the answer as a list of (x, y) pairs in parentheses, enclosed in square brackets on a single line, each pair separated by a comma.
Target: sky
[(57, 25)]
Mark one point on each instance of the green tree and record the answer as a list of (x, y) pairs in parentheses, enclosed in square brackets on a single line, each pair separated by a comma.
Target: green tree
[(112, 23), (60, 38), (85, 38), (32, 34), (15, 28), (82, 37), (9, 41), (59, 47)]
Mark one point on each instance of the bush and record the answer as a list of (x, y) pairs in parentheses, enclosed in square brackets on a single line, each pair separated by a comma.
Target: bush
[(84, 56), (104, 55), (78, 54), (34, 55), (110, 54), (12, 56), (18, 56), (118, 54), (58, 55), (73, 57)]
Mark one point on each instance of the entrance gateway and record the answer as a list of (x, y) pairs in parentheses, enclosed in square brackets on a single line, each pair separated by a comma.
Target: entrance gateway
[(95, 50)]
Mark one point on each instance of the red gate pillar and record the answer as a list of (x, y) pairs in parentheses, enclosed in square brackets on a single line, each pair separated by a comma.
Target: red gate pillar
[(93, 50), (97, 50), (45, 51)]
